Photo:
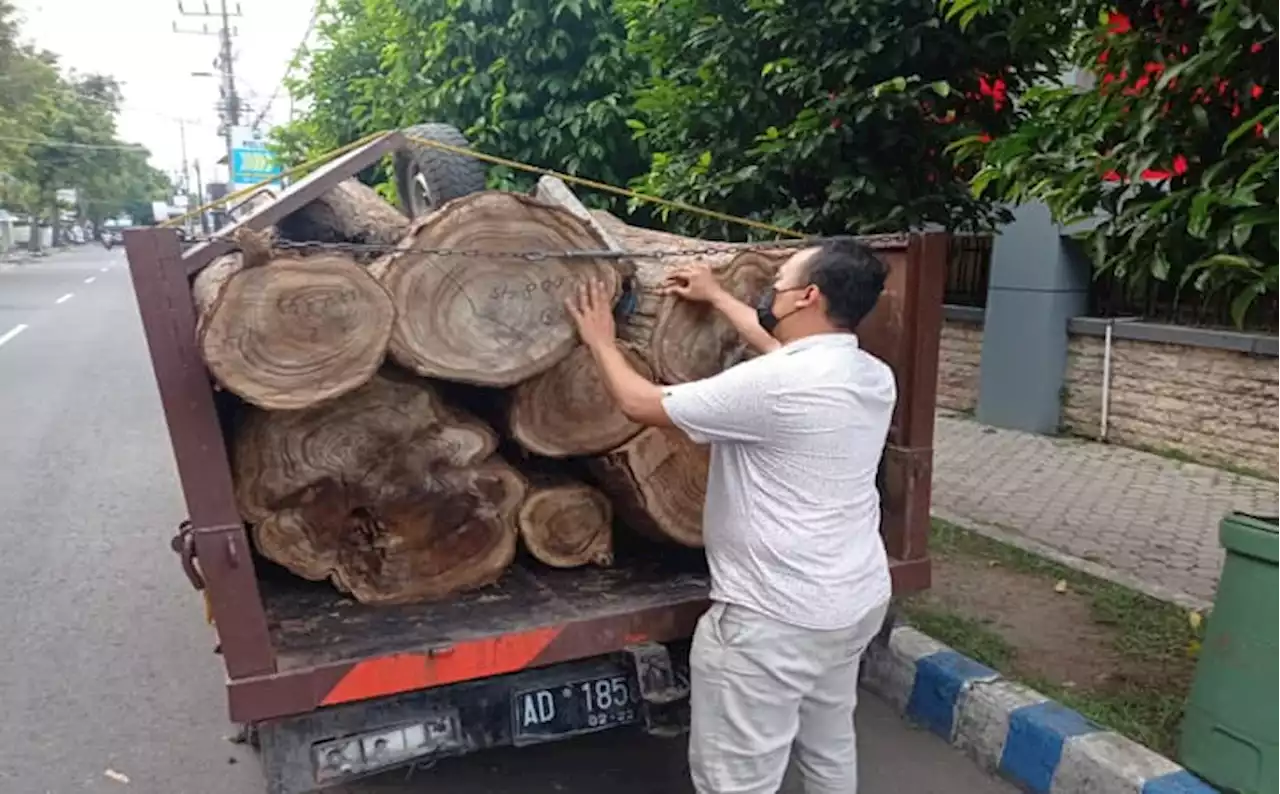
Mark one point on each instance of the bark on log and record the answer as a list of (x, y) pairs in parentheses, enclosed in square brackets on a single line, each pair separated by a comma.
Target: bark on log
[(491, 319), (288, 332), (385, 491), (351, 212), (568, 411), (658, 483), (565, 523), (685, 341)]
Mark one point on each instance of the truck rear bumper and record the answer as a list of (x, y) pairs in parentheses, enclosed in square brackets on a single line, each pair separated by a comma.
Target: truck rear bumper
[(303, 690), (646, 686)]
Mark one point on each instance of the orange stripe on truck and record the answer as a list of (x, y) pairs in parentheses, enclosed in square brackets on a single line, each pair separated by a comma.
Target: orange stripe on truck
[(466, 661)]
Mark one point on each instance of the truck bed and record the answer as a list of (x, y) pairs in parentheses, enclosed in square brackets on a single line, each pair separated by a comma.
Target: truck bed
[(312, 624)]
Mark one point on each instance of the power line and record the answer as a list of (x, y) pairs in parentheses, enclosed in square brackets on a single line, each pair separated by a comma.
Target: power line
[(118, 106), (136, 147), (293, 62)]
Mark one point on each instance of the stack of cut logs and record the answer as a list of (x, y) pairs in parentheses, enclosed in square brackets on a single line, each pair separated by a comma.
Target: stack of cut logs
[(381, 381)]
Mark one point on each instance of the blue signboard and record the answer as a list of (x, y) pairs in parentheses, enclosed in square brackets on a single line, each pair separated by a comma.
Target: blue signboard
[(251, 162)]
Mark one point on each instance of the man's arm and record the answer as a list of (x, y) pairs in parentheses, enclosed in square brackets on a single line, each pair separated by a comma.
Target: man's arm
[(592, 313), (637, 398), (698, 284), (743, 319)]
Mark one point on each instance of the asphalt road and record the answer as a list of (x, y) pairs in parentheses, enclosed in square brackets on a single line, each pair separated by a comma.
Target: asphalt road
[(105, 662)]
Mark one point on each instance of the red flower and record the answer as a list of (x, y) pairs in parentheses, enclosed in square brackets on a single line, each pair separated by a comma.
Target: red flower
[(1179, 165), (1118, 23), (1255, 48), (1255, 91), (836, 123)]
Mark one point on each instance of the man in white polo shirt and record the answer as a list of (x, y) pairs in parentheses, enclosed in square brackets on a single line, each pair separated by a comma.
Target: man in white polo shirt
[(799, 576)]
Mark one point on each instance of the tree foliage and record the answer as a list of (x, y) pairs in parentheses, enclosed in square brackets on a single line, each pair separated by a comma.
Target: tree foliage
[(827, 115), (1172, 151), (59, 131), (542, 81), (770, 109)]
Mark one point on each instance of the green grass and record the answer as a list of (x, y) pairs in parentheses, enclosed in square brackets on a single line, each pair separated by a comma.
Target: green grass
[(1155, 641)]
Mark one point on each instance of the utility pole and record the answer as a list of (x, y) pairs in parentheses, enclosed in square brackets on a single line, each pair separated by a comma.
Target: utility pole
[(204, 216), (186, 170), (230, 107)]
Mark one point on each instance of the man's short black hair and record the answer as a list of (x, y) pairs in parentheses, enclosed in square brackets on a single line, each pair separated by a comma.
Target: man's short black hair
[(850, 277)]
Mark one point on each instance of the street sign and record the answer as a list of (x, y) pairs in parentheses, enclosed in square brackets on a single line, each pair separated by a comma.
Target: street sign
[(251, 162)]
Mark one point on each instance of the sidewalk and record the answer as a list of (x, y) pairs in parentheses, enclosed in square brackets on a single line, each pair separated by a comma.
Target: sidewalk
[(1129, 516)]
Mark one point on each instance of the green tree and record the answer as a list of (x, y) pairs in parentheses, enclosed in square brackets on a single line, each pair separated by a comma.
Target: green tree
[(1172, 150), (542, 81), (825, 116)]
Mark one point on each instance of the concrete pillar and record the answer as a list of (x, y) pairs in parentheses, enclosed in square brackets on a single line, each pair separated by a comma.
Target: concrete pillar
[(1038, 282)]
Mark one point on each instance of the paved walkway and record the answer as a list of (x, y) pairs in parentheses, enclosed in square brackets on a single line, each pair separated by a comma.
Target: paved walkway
[(1140, 516)]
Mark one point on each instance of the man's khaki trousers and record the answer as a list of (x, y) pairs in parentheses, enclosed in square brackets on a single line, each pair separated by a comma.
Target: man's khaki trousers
[(761, 688)]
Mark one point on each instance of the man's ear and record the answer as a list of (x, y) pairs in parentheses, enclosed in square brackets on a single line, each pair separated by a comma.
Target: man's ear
[(810, 296)]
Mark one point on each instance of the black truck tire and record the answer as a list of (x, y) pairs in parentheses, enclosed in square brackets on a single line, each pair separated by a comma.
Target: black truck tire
[(427, 177)]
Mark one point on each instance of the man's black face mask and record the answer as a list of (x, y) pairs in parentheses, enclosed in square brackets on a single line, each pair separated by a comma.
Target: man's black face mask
[(764, 308)]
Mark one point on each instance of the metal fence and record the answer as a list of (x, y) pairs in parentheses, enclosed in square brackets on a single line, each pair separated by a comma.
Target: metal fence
[(968, 270), (1161, 302)]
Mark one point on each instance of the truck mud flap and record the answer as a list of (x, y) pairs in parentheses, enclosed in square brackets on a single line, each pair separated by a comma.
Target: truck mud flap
[(663, 688)]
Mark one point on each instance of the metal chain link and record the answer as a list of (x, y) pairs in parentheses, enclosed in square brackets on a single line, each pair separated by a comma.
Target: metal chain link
[(530, 255)]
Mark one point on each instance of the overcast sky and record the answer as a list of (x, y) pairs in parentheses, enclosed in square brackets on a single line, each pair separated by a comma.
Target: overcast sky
[(133, 40)]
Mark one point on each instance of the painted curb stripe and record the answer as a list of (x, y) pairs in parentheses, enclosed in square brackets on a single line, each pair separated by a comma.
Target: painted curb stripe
[(1180, 782), (939, 681), (1033, 747), (1043, 746)]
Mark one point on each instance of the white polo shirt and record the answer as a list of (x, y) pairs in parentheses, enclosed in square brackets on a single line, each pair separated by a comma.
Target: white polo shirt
[(792, 516)]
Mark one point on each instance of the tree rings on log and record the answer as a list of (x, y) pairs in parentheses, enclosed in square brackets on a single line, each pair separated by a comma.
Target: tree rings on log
[(567, 524), (455, 532), (493, 318), (692, 340), (382, 437), (658, 483), (568, 411), (292, 332)]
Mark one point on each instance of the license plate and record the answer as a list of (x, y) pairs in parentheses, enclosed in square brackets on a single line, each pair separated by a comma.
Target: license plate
[(579, 706)]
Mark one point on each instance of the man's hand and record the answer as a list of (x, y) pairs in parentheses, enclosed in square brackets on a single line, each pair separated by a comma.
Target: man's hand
[(693, 283), (591, 310)]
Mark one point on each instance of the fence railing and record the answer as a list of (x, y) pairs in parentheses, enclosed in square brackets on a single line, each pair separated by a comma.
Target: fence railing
[(969, 270), (1162, 302)]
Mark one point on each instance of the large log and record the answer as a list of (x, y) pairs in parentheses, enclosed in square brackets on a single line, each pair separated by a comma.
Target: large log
[(351, 212), (477, 311), (385, 491), (568, 411), (287, 331), (454, 532), (658, 482), (566, 524), (376, 436), (682, 340)]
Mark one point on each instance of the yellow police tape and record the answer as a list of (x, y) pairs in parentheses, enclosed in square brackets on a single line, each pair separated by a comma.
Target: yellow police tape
[(489, 158)]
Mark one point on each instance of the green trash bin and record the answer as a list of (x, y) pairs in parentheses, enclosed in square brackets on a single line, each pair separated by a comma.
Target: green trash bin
[(1229, 730)]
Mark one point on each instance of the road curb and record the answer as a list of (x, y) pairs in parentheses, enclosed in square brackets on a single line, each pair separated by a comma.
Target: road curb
[(1011, 730)]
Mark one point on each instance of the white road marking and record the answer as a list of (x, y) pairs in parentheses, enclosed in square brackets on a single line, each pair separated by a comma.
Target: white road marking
[(12, 332), (91, 279), (65, 298), (103, 269)]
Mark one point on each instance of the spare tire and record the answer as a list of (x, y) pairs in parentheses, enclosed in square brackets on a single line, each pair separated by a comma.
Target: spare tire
[(427, 177)]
